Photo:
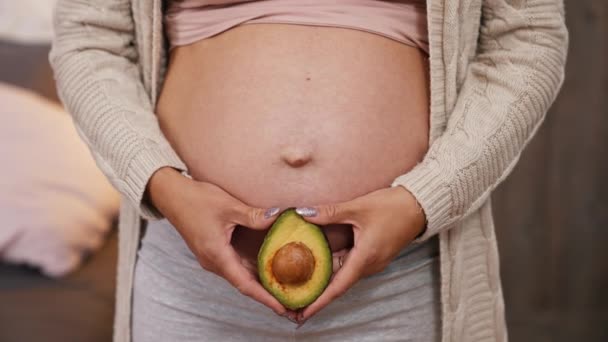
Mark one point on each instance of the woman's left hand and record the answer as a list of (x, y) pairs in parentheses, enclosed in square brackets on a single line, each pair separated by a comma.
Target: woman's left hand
[(384, 222)]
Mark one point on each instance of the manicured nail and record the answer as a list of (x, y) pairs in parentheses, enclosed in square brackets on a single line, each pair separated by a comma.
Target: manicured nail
[(271, 212), (307, 211)]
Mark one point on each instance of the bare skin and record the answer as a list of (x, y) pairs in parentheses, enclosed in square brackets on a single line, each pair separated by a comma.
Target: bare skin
[(280, 115)]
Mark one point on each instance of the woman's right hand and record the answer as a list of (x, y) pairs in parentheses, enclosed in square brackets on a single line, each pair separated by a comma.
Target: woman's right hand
[(205, 216)]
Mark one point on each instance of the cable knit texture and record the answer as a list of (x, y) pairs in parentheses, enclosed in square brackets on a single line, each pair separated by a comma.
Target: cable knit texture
[(496, 66)]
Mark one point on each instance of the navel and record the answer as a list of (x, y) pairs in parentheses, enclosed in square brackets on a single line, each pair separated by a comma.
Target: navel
[(296, 157)]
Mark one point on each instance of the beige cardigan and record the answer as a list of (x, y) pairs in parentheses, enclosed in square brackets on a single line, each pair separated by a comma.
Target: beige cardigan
[(496, 66)]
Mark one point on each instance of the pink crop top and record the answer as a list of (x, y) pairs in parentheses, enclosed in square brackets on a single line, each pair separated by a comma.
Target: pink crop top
[(187, 21)]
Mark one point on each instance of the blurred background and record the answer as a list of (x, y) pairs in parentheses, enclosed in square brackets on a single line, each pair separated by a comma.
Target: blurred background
[(551, 212)]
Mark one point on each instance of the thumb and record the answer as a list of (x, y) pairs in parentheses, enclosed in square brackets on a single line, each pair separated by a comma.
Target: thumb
[(328, 213), (255, 218)]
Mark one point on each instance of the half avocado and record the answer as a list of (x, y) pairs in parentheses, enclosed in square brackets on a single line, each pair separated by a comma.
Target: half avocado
[(294, 261)]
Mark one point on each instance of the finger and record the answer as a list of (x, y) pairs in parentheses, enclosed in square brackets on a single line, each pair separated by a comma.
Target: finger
[(244, 281), (254, 218), (291, 316), (336, 256), (249, 264), (329, 213), (350, 272)]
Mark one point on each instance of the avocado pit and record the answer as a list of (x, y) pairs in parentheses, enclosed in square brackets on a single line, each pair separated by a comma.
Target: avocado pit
[(293, 264)]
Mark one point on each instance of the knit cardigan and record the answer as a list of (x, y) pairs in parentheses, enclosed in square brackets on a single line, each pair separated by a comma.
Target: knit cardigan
[(495, 68)]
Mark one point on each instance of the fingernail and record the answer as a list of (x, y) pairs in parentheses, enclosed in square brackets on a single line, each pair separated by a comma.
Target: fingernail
[(271, 212), (289, 317), (307, 211)]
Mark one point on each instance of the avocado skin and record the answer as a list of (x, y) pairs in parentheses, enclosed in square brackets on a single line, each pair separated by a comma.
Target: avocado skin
[(289, 227)]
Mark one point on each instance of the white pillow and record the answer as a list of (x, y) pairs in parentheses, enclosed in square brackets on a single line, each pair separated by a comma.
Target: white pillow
[(55, 204), (27, 21)]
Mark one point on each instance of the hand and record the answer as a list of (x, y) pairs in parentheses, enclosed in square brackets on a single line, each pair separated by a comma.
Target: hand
[(383, 221), (206, 216)]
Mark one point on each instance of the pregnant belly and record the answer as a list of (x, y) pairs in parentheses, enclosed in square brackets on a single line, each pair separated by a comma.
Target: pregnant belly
[(293, 115)]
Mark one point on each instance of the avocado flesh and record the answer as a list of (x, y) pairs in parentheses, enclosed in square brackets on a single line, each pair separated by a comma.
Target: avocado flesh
[(291, 227)]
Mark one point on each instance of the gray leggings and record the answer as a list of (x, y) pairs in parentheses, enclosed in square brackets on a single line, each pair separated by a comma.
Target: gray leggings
[(175, 299)]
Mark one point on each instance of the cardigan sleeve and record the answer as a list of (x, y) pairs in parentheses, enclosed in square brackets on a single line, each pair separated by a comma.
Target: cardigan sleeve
[(94, 60), (509, 86)]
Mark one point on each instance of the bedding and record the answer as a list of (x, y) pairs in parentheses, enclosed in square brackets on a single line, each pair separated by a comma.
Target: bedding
[(77, 307), (56, 206)]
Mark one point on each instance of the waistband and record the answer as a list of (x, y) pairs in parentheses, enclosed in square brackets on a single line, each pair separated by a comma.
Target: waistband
[(405, 21)]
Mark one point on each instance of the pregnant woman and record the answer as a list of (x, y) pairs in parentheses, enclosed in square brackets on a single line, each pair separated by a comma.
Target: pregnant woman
[(387, 123)]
